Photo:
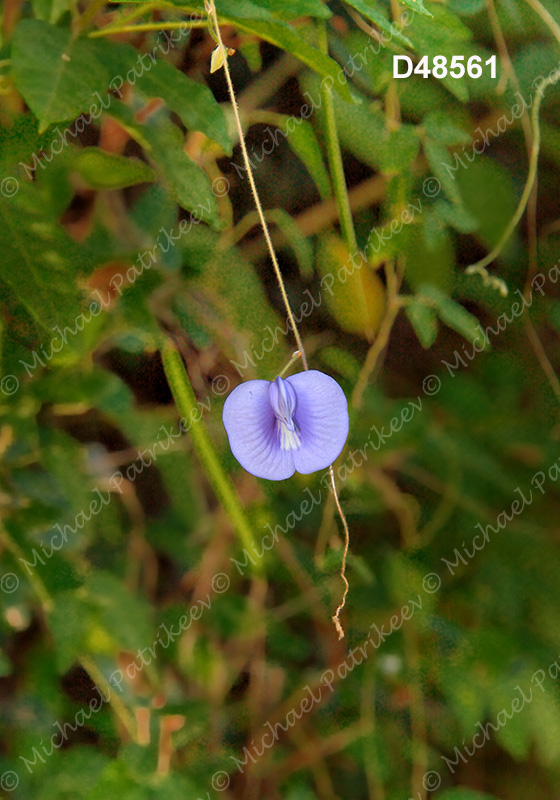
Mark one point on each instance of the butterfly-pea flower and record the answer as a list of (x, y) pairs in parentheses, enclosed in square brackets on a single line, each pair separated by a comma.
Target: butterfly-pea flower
[(298, 423)]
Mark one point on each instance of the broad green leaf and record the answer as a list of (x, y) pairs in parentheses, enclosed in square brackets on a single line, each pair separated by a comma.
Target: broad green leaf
[(429, 254), (192, 101), (124, 616), (264, 10), (51, 10), (293, 9), (373, 11), (489, 196), (363, 131), (103, 170), (39, 261), (163, 142), (257, 20), (417, 6), (186, 180), (57, 72), (424, 321), (296, 239), (443, 35), (458, 793), (439, 125), (466, 8), (303, 141), (456, 216), (244, 9), (438, 156), (451, 313), (229, 303), (285, 37), (342, 361)]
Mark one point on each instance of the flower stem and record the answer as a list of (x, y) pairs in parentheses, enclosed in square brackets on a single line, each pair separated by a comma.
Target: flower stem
[(212, 14), (292, 360), (336, 616), (345, 214), (185, 399)]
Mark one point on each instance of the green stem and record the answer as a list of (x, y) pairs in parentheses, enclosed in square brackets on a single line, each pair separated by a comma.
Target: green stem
[(335, 158), (292, 361), (187, 404), (336, 167), (480, 267), (89, 14), (148, 26), (38, 586), (117, 704)]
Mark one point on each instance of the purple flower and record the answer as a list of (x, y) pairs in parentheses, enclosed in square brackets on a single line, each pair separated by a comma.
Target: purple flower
[(300, 423)]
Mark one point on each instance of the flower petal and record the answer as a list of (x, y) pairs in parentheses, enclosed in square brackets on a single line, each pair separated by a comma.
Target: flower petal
[(322, 415), (253, 434)]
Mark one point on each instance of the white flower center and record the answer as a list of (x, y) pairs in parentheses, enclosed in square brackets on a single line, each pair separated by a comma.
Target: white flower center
[(283, 400), (289, 437)]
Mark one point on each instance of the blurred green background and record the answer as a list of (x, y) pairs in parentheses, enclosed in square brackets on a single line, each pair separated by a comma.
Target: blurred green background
[(166, 624)]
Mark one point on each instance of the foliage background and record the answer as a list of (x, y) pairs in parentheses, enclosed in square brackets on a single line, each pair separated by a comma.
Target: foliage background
[(468, 628)]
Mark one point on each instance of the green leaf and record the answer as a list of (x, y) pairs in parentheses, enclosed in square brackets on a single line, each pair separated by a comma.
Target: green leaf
[(424, 321), (489, 196), (458, 793), (39, 259), (429, 254), (57, 73), (185, 180), (103, 170), (466, 8), (363, 131), (193, 102), (456, 216), (438, 157), (375, 13), (285, 37), (265, 10), (257, 20), (440, 126), (293, 9), (296, 239), (444, 35), (124, 616), (451, 313), (303, 141), (230, 304), (244, 9), (417, 6)]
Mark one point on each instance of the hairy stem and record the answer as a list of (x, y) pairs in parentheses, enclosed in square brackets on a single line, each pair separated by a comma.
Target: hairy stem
[(211, 9)]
